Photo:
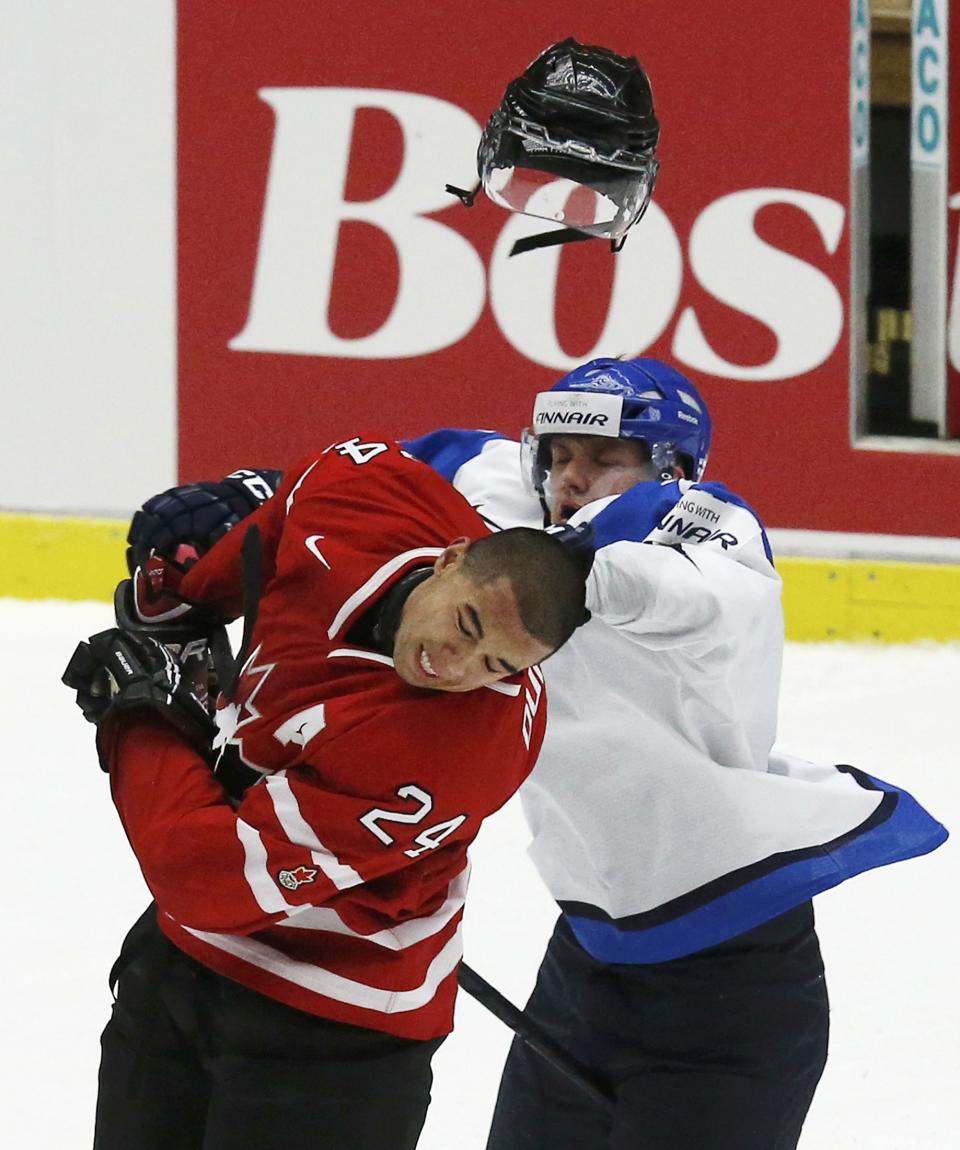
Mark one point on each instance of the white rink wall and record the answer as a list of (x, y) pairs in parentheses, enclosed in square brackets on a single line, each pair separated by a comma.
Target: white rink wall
[(87, 244)]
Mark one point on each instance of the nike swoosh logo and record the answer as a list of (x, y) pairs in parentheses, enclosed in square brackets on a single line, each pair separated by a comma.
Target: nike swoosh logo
[(311, 542)]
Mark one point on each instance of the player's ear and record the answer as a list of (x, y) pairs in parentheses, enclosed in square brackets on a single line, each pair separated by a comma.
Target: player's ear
[(452, 555)]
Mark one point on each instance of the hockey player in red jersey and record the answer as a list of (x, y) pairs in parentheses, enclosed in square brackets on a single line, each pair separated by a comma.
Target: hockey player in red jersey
[(306, 969)]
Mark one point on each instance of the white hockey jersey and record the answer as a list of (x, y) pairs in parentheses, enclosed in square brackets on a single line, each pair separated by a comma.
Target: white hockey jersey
[(663, 819)]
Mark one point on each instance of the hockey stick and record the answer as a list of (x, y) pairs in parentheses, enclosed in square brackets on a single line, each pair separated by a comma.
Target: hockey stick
[(535, 1036), (251, 578)]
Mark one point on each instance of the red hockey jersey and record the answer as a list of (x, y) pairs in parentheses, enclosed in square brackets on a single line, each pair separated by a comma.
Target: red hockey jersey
[(337, 884)]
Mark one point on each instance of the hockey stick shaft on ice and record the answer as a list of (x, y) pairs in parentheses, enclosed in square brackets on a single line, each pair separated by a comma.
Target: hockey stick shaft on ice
[(534, 1036)]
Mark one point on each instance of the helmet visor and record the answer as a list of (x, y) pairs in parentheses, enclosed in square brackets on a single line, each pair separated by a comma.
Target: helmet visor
[(569, 182)]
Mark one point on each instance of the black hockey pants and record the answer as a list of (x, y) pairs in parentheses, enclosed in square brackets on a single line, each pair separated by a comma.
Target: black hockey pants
[(193, 1061), (718, 1051)]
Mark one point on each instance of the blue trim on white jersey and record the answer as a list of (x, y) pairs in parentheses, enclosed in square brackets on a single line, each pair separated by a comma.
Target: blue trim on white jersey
[(641, 509), (632, 516), (725, 495), (449, 448), (899, 829)]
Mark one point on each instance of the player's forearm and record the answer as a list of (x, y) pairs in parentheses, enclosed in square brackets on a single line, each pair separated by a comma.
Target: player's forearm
[(181, 827)]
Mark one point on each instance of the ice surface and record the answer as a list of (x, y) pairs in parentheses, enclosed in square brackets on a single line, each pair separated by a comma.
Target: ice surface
[(890, 938)]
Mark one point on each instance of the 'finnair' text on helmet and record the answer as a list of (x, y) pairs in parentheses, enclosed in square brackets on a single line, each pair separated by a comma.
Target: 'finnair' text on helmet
[(597, 413)]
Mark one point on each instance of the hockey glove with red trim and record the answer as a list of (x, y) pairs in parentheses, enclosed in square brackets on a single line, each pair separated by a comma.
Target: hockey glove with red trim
[(167, 536)]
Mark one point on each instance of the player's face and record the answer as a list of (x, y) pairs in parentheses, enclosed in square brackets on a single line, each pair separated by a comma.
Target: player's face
[(588, 467), (457, 635)]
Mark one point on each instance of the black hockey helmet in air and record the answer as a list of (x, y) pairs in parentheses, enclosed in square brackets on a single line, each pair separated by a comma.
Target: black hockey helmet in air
[(573, 142)]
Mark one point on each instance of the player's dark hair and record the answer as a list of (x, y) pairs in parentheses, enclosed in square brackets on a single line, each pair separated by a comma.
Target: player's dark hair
[(548, 581)]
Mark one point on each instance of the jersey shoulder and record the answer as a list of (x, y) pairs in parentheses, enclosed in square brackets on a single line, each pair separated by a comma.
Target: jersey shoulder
[(447, 449), (703, 518), (486, 468), (370, 502)]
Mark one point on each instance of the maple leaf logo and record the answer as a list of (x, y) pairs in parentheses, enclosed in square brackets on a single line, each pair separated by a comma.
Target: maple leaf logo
[(233, 715), (291, 879)]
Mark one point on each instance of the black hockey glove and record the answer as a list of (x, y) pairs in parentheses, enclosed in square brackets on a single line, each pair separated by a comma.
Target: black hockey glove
[(115, 670), (183, 523), (148, 606), (580, 542)]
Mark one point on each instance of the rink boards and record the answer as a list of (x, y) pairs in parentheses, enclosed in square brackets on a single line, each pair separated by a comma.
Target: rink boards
[(886, 599)]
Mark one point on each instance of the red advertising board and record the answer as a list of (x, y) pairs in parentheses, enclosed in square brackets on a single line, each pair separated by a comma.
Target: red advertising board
[(328, 284)]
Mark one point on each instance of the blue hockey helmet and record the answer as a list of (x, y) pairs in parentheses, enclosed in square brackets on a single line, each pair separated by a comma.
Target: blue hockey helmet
[(642, 399)]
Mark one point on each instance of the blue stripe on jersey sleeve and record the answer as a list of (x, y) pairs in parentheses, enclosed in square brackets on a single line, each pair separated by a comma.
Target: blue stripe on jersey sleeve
[(641, 508), (449, 448), (631, 517), (906, 832), (725, 495)]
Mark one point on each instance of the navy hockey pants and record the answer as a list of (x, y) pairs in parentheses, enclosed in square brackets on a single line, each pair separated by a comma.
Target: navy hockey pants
[(721, 1050), (193, 1061)]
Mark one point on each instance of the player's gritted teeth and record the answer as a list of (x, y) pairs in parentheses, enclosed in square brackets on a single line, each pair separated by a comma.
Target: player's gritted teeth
[(426, 665)]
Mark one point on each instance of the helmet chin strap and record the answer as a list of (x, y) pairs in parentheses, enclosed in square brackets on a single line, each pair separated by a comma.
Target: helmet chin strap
[(559, 236), (466, 196), (547, 517)]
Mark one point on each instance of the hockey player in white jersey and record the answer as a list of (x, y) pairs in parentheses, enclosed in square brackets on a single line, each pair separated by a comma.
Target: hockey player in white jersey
[(682, 848)]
